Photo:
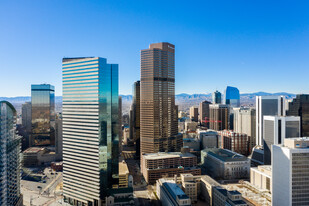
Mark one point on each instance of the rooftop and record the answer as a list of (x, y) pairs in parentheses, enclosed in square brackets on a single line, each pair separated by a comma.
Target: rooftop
[(210, 180), (225, 155), (123, 168), (297, 143), (34, 150), (162, 155), (175, 190)]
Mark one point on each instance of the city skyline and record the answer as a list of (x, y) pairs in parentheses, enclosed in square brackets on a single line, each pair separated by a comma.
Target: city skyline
[(255, 48)]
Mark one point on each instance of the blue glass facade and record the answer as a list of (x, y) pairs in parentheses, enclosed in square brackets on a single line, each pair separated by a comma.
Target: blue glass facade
[(42, 115), (90, 129), (232, 96)]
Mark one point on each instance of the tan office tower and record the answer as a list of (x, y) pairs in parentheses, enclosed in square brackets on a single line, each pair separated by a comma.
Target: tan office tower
[(158, 111), (218, 115)]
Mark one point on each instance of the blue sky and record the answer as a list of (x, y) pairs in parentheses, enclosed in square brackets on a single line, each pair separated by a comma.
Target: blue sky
[(253, 45)]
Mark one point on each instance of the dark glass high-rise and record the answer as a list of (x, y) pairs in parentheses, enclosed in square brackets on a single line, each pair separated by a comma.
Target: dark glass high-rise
[(42, 115)]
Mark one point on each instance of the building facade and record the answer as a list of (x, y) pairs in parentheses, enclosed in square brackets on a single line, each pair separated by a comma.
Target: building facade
[(156, 165), (244, 121), (300, 107), (159, 122), (170, 194), (216, 97), (290, 172), (90, 129), (203, 113), (26, 116), (237, 142), (194, 114), (208, 139), (267, 105), (42, 115), (10, 157), (276, 130), (135, 118), (222, 164), (219, 117), (260, 177)]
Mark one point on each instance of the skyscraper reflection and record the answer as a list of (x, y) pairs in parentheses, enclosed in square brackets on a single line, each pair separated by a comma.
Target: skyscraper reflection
[(43, 115)]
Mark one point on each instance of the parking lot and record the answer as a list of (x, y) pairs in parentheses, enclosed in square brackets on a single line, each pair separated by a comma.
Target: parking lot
[(43, 190)]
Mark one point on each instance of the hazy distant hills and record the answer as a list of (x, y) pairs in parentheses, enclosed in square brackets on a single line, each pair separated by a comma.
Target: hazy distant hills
[(183, 100)]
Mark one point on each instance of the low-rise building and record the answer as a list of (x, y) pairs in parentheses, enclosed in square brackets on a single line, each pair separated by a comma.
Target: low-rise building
[(37, 156), (191, 186), (157, 165), (223, 164), (57, 166), (209, 138), (120, 197), (207, 186), (192, 143), (170, 194), (257, 156), (123, 175), (260, 177), (223, 197), (191, 126)]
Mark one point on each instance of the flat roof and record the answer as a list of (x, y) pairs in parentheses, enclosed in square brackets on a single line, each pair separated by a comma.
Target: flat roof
[(123, 168), (34, 150), (162, 155), (175, 190), (225, 155), (210, 180)]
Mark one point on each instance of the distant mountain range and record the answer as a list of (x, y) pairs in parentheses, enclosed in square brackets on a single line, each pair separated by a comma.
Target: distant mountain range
[(22, 99)]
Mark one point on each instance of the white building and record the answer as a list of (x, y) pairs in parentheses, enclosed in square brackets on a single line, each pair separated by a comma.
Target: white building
[(290, 172), (90, 129), (276, 130), (267, 105), (261, 177)]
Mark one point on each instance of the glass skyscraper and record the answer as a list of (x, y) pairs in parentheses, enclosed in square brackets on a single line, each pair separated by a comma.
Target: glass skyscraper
[(216, 97), (42, 115), (232, 96), (9, 157), (300, 107), (90, 129)]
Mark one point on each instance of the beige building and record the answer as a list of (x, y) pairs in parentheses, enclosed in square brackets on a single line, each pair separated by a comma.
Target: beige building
[(207, 186), (159, 130), (194, 114), (123, 175), (195, 186), (244, 121), (191, 126), (157, 165), (260, 177)]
